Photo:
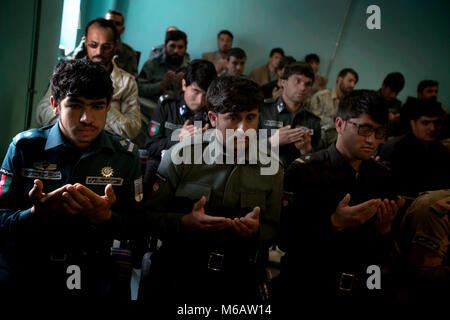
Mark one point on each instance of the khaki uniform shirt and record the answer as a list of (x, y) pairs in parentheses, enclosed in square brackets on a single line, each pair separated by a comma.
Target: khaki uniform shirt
[(262, 75), (123, 119), (214, 56)]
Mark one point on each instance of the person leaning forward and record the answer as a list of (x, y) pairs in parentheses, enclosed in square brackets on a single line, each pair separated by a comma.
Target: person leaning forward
[(216, 219), (67, 191)]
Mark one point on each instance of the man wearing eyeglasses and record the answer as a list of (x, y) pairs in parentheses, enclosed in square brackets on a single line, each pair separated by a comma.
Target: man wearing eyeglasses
[(340, 207), (124, 118), (125, 56)]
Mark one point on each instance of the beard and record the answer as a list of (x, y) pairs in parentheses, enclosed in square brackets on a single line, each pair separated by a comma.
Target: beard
[(174, 59)]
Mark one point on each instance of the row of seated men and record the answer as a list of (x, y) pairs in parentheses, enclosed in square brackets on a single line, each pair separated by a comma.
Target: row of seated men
[(217, 220)]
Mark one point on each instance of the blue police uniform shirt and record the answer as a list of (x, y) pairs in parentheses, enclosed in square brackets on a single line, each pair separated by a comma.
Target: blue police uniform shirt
[(46, 154)]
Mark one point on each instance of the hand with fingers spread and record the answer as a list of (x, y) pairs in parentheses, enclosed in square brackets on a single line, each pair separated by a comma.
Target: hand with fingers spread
[(304, 143), (197, 219), (46, 203), (386, 213), (347, 216), (286, 135), (79, 199), (248, 225)]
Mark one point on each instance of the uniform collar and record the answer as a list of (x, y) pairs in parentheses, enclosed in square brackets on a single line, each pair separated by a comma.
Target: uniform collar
[(56, 138), (183, 108), (281, 106), (116, 76), (334, 95)]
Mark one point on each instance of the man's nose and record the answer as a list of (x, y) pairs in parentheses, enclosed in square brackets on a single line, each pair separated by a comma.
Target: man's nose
[(87, 116)]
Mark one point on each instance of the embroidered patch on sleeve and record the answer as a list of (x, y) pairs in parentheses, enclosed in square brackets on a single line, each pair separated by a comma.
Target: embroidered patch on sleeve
[(5, 183), (138, 190), (158, 185), (154, 129)]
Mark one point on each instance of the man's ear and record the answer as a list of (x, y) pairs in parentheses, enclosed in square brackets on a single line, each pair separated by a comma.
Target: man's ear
[(108, 106), (283, 83), (183, 84), (212, 118), (55, 107), (340, 124)]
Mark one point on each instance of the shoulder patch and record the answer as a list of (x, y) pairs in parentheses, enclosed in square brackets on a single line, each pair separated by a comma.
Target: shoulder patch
[(163, 98), (6, 172)]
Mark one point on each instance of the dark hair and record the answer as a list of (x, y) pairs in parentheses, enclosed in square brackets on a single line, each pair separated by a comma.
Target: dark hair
[(80, 78), (276, 50), (285, 61), (395, 81), (344, 72), (360, 102), (426, 84), (175, 35), (116, 13), (233, 94), (225, 32), (312, 57), (427, 108), (105, 24), (236, 52), (202, 72), (298, 68)]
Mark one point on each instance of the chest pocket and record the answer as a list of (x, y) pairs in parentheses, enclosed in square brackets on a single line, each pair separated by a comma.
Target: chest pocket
[(193, 191), (249, 200), (189, 193)]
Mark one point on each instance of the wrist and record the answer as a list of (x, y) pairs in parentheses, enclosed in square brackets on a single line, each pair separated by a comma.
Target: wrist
[(335, 224)]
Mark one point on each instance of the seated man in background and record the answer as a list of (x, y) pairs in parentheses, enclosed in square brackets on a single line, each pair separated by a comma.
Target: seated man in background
[(219, 57), (126, 56), (320, 82), (297, 129), (124, 117), (390, 88), (324, 104), (426, 90), (267, 72), (163, 74), (236, 58), (172, 114), (273, 89), (66, 192), (418, 160)]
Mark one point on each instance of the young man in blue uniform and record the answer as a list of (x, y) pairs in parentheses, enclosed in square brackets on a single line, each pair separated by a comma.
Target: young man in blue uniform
[(177, 115), (67, 191)]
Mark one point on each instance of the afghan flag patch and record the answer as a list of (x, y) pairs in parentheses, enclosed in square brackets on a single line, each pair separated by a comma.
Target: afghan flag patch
[(154, 129), (5, 182), (157, 186)]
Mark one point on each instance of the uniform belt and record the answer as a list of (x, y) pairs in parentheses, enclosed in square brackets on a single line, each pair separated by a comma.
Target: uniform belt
[(349, 282)]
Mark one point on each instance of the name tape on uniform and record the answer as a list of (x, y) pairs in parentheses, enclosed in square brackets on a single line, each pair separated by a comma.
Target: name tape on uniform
[(41, 174), (273, 123), (115, 181)]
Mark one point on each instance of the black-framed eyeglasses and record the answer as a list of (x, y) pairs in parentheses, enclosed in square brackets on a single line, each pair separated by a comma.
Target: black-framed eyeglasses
[(366, 130)]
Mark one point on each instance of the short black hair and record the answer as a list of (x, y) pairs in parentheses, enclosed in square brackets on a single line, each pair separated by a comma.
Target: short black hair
[(225, 32), (276, 50), (233, 94), (395, 81), (344, 72), (175, 35), (80, 78), (202, 72), (426, 107), (116, 13), (312, 57), (287, 60), (360, 102), (298, 68), (426, 84), (105, 24), (236, 52)]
